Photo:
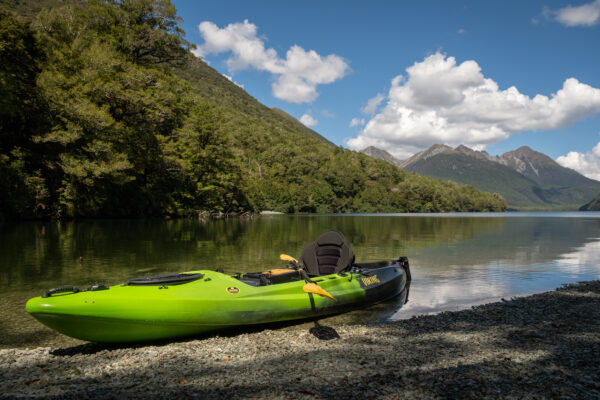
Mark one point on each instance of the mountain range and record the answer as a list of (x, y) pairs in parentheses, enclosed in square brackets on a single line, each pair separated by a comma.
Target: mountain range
[(527, 179)]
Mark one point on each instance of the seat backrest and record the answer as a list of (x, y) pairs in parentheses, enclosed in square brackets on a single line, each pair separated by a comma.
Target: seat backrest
[(330, 253)]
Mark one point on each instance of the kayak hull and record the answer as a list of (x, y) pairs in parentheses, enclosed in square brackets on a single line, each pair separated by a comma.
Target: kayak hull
[(215, 301)]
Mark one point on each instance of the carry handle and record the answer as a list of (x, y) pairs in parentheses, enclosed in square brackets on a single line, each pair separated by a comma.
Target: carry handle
[(62, 289)]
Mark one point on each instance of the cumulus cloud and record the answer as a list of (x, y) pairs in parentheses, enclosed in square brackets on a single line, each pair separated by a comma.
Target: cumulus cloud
[(308, 120), (583, 15), (587, 164), (372, 104), (296, 76), (356, 122), (440, 101)]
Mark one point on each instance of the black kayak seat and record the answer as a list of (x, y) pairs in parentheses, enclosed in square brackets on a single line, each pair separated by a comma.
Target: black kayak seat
[(330, 253)]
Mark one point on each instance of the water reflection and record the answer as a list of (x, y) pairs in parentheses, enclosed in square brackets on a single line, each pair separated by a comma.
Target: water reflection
[(525, 256), (33, 255), (457, 260), (583, 259)]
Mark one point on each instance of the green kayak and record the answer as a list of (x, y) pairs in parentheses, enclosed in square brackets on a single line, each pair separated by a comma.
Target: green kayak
[(195, 302)]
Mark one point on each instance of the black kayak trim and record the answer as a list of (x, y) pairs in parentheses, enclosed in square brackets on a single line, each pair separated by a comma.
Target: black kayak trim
[(157, 280)]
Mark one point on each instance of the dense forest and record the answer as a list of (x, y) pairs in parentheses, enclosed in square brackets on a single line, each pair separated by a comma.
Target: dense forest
[(104, 112)]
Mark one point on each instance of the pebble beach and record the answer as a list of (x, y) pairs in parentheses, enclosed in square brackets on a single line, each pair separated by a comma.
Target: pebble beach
[(541, 346)]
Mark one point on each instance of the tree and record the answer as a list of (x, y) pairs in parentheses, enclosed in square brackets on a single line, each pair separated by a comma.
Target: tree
[(22, 115), (109, 109), (148, 31), (198, 152)]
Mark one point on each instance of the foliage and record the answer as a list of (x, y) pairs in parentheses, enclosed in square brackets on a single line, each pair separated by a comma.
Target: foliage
[(108, 114), (22, 114)]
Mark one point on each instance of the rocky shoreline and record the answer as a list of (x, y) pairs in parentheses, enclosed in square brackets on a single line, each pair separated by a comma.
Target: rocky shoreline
[(541, 346)]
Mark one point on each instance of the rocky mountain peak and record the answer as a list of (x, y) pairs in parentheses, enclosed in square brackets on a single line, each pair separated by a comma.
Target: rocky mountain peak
[(426, 154), (541, 168), (481, 155), (525, 153), (434, 150), (380, 154)]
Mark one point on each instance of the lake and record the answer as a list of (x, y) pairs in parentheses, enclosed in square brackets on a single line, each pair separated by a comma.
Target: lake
[(457, 260)]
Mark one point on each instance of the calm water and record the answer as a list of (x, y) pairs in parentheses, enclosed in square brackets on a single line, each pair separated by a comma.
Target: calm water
[(457, 260)]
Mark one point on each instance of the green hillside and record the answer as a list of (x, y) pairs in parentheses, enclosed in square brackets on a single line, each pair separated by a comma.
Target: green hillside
[(105, 112), (214, 88), (301, 126), (317, 176), (30, 8)]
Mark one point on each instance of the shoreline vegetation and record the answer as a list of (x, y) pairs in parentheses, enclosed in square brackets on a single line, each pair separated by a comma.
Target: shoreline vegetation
[(540, 346), (106, 113)]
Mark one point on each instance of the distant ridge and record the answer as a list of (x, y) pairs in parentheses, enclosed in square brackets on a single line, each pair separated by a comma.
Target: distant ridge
[(425, 154), (527, 179)]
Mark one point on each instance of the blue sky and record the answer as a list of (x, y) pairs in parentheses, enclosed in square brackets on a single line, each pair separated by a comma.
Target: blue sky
[(432, 71)]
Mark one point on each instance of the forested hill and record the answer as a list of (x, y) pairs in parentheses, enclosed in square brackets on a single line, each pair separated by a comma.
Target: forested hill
[(105, 112), (593, 205)]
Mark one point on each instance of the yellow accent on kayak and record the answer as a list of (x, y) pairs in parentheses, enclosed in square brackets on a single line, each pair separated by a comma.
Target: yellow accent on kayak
[(278, 271), (285, 257), (312, 287)]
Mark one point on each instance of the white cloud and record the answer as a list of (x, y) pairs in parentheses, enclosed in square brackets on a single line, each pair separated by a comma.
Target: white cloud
[(583, 15), (308, 120), (587, 164), (441, 101), (356, 122), (372, 104), (296, 77)]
